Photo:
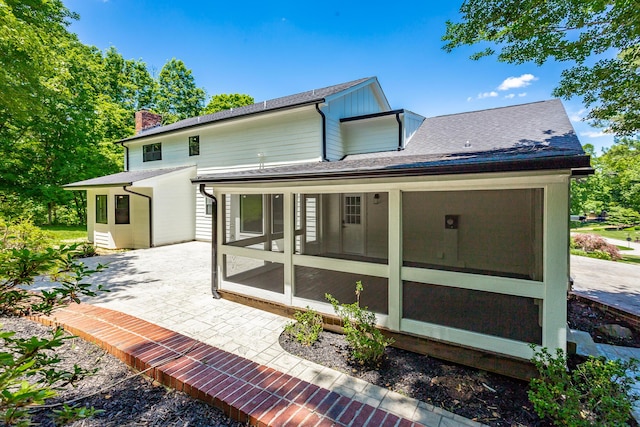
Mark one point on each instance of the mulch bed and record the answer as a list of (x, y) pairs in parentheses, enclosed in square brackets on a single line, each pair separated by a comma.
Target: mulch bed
[(488, 398), (583, 316), (135, 402)]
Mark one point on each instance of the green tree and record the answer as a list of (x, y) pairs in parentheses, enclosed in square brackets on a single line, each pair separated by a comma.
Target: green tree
[(226, 101), (178, 96), (30, 32), (601, 40)]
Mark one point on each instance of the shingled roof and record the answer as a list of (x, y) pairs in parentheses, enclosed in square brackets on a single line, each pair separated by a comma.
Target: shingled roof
[(121, 178), (531, 136), (298, 99)]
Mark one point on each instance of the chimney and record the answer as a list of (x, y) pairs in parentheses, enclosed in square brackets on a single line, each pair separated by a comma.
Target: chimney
[(146, 120)]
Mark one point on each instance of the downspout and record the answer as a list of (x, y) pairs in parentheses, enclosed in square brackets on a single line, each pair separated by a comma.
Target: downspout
[(324, 133), (124, 187), (400, 146), (126, 157), (214, 240)]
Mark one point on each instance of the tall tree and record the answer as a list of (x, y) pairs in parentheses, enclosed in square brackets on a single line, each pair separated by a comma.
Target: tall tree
[(599, 38), (178, 96), (226, 101), (30, 32)]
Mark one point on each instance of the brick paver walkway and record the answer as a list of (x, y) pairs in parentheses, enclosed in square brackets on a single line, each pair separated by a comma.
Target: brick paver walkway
[(245, 390)]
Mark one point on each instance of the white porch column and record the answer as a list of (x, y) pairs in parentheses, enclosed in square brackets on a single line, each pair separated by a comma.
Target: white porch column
[(395, 259), (289, 226), (556, 261)]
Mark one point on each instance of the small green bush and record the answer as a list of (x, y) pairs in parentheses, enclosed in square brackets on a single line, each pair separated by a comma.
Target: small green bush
[(366, 341), (29, 371), (595, 393), (307, 327)]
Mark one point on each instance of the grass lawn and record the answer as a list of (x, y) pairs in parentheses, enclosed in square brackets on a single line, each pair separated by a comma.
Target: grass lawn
[(67, 233), (611, 234), (630, 259)]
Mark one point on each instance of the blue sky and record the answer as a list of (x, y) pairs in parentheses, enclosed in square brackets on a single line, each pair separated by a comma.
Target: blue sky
[(272, 49)]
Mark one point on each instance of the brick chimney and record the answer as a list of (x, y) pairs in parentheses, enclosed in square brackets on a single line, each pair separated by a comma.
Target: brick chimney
[(146, 120)]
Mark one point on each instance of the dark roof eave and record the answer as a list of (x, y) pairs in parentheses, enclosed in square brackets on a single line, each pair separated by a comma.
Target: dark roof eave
[(579, 165), (182, 128), (372, 115)]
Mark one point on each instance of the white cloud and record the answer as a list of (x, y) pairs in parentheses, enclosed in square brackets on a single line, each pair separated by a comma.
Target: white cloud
[(491, 94), (522, 94), (509, 96), (469, 99), (516, 82), (577, 117), (593, 134)]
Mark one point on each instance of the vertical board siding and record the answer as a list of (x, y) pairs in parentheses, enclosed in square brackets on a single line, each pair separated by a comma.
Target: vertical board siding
[(412, 122), (357, 103)]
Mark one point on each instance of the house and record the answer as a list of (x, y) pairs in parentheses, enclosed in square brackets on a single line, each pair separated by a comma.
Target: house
[(456, 225)]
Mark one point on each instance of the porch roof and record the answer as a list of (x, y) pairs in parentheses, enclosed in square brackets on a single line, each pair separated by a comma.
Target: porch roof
[(535, 136), (121, 178)]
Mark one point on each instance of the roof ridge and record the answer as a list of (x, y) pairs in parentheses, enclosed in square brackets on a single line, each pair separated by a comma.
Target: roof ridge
[(496, 108), (304, 97)]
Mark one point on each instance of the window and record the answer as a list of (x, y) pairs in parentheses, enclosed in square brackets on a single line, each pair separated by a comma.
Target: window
[(251, 213), (151, 152), (208, 206), (352, 210), (194, 145), (122, 209), (101, 208)]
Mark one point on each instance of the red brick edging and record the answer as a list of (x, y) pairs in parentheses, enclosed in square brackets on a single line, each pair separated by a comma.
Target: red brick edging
[(244, 390)]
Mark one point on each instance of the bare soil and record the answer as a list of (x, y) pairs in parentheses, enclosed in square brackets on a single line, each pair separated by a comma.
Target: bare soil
[(488, 398)]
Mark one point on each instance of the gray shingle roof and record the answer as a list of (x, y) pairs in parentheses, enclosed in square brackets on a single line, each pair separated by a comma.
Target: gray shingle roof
[(303, 98), (537, 124), (522, 137), (122, 178)]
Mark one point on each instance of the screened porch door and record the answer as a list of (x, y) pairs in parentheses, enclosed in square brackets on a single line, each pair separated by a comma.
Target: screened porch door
[(353, 218)]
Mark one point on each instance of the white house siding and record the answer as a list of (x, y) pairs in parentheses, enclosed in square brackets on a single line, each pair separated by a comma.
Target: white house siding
[(173, 207), (412, 122), (281, 137), (370, 135), (356, 103), (111, 235)]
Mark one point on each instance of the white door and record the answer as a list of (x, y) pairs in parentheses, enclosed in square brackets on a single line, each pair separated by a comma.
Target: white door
[(353, 223)]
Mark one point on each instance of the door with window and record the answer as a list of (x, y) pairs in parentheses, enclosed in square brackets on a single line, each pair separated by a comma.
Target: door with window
[(353, 223)]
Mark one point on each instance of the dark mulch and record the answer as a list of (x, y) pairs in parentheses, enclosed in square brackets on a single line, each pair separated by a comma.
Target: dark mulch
[(134, 402), (488, 398), (583, 316)]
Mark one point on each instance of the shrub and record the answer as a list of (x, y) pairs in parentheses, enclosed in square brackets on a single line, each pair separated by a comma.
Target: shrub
[(366, 341), (591, 243), (307, 327), (595, 393), (29, 374)]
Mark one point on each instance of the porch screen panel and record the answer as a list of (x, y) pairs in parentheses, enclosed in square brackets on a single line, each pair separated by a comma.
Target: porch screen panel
[(505, 316), (254, 272), (489, 232), (254, 221), (313, 283), (353, 226)]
